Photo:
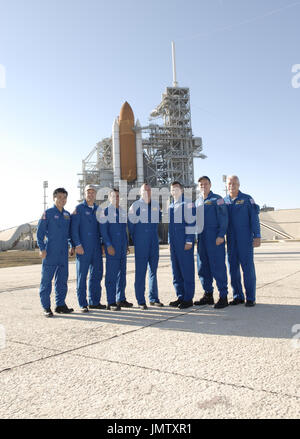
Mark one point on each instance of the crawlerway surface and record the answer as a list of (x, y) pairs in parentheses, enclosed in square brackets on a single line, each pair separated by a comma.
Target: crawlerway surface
[(165, 363)]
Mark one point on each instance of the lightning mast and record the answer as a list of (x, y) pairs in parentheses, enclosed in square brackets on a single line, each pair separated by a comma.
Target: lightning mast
[(175, 83)]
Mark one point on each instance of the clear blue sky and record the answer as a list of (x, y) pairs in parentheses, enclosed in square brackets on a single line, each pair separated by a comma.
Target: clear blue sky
[(70, 65)]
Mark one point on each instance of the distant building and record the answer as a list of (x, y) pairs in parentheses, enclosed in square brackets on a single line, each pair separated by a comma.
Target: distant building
[(265, 208)]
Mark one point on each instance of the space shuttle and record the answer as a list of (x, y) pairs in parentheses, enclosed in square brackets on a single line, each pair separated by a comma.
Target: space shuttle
[(127, 148)]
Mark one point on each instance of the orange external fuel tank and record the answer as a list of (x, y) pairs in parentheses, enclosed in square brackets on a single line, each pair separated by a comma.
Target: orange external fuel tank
[(127, 144)]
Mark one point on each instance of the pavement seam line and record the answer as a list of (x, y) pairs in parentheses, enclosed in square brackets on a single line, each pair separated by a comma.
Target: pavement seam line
[(87, 345), (238, 386), (223, 383), (8, 290), (278, 280), (123, 333), (28, 287), (71, 351), (130, 332)]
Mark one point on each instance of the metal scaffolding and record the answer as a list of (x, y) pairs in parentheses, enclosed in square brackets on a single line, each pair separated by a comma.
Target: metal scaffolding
[(97, 167), (170, 148)]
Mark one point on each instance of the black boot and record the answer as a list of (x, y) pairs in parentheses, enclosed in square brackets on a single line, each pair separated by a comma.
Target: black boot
[(207, 299), (63, 309), (222, 303)]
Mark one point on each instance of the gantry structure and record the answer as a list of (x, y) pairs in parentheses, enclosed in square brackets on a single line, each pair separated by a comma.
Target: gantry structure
[(170, 148), (97, 167)]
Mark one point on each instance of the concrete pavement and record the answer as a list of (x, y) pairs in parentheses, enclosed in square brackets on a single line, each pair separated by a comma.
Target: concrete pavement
[(162, 363)]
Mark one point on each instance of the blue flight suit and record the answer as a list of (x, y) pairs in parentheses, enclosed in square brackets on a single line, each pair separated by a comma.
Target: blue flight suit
[(211, 257), (143, 220), (55, 227), (182, 214), (113, 230), (85, 231), (243, 227)]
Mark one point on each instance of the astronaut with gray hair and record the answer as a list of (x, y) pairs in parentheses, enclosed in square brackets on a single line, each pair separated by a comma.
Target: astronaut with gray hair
[(243, 234)]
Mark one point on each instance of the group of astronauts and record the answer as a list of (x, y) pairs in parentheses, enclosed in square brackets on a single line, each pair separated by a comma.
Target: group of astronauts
[(90, 228)]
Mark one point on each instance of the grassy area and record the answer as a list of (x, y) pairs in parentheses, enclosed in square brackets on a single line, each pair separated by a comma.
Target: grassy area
[(17, 258)]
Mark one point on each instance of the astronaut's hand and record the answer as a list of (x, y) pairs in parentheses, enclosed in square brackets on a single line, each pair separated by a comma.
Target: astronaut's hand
[(188, 246), (256, 242), (111, 251), (219, 240), (43, 254), (79, 250)]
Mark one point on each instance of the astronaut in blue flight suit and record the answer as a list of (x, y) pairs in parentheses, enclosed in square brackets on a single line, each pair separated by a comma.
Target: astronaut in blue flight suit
[(113, 220), (143, 218), (53, 238), (211, 245), (182, 214), (86, 238), (242, 235)]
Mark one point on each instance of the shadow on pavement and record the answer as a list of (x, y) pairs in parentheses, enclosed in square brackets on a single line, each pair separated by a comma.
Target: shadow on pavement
[(263, 320)]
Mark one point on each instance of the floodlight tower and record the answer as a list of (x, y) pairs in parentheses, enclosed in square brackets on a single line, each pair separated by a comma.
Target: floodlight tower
[(45, 186)]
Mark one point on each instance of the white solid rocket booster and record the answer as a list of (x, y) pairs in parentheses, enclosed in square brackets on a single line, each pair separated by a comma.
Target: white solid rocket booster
[(116, 152)]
